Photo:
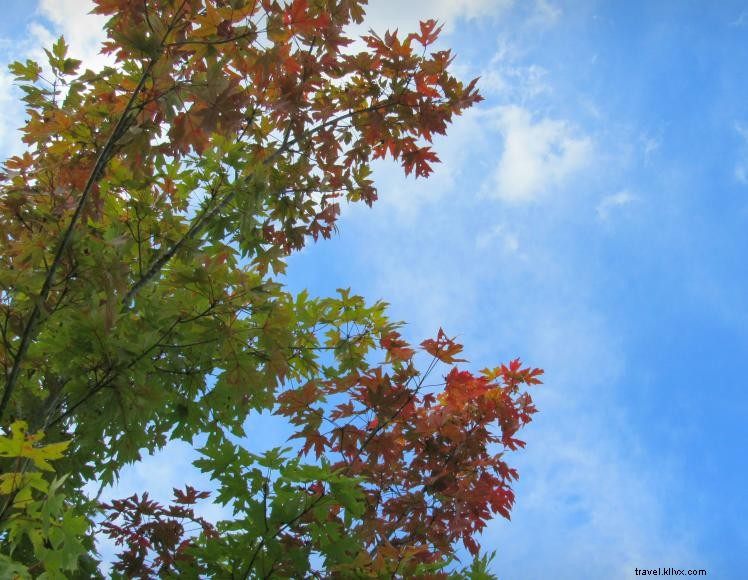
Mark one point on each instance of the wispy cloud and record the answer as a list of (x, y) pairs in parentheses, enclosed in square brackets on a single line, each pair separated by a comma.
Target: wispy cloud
[(741, 165), (511, 81), (546, 14), (390, 14), (10, 114), (589, 503), (538, 155), (508, 240), (591, 509), (741, 19), (467, 136), (650, 145), (587, 500), (611, 202), (83, 31)]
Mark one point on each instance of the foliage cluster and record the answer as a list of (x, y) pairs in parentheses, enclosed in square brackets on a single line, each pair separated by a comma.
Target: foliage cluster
[(143, 232)]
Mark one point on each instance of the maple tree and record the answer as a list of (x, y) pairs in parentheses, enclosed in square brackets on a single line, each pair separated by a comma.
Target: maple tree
[(144, 230)]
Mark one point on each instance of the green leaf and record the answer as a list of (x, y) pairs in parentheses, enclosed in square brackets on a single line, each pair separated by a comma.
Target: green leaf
[(28, 71), (12, 570), (60, 48), (348, 493), (275, 458), (70, 65)]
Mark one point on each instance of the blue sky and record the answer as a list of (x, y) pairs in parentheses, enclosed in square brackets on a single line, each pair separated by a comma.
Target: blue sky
[(591, 217)]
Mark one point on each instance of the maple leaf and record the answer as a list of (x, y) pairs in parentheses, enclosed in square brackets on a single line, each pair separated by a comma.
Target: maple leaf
[(397, 349), (139, 233), (23, 444), (429, 32), (419, 158), (424, 85), (443, 348)]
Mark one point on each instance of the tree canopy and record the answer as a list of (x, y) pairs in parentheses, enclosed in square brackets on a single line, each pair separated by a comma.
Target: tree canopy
[(144, 232)]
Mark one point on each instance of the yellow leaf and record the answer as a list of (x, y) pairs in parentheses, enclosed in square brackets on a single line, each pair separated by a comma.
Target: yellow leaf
[(21, 444), (12, 482), (40, 455)]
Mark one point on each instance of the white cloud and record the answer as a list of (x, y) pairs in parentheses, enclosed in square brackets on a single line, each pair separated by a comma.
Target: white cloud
[(611, 202), (740, 170), (83, 32), (590, 509), (742, 130), (650, 145), (741, 173), (382, 15), (546, 14), (42, 38), (11, 113), (467, 136), (510, 81), (741, 20), (587, 500), (586, 507), (508, 240), (538, 155)]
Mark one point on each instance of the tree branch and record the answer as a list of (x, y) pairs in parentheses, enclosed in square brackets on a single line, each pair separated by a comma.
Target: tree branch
[(29, 330), (202, 221)]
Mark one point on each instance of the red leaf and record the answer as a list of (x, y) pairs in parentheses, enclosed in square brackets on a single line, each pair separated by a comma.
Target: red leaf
[(443, 348), (422, 86), (429, 32), (420, 159), (397, 349)]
